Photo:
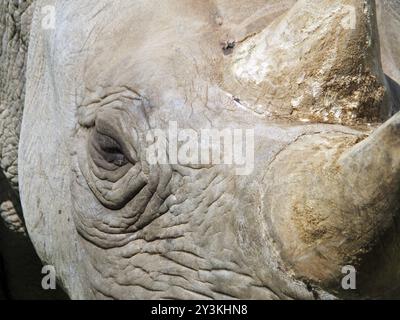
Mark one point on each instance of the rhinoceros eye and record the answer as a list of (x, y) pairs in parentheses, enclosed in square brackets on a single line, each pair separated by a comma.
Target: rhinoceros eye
[(108, 150)]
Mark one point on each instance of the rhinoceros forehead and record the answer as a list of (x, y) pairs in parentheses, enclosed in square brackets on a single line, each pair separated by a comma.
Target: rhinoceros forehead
[(159, 47), (150, 44)]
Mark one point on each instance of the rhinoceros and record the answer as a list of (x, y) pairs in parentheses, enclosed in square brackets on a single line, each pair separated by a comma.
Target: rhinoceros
[(307, 90)]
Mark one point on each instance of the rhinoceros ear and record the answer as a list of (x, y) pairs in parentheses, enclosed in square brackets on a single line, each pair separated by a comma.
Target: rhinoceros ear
[(44, 158), (320, 62)]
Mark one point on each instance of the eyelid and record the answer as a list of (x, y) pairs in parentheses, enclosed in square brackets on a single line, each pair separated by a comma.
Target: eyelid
[(105, 141), (118, 132), (108, 149), (98, 157), (105, 97)]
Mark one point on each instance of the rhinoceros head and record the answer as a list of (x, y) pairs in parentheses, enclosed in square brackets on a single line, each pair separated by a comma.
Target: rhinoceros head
[(296, 99)]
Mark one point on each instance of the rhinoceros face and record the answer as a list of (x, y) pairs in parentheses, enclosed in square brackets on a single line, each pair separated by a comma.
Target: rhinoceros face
[(293, 91)]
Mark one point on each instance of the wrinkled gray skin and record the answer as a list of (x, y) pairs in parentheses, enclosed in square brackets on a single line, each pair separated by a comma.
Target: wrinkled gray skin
[(20, 267), (324, 192)]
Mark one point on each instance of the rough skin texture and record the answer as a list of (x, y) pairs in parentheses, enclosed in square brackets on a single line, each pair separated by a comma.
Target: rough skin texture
[(322, 99), (14, 31), (20, 267)]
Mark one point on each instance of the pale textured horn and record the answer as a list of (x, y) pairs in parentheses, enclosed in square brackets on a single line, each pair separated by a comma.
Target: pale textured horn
[(332, 199), (320, 62), (373, 166)]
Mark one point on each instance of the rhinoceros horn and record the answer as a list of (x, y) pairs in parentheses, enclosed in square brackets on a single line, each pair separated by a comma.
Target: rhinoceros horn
[(320, 62), (341, 195)]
